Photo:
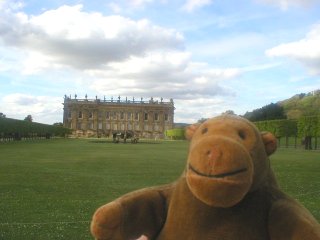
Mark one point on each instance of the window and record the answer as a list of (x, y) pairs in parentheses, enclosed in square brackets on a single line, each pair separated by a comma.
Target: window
[(99, 114), (90, 115), (108, 127), (136, 116), (146, 116), (129, 116), (115, 126), (80, 114), (121, 115), (100, 125), (69, 114), (90, 125), (79, 125), (107, 115), (114, 115), (156, 117), (166, 117), (137, 127), (129, 126), (122, 126)]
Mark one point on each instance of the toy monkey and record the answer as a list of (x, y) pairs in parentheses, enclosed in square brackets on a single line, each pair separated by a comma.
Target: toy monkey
[(227, 192)]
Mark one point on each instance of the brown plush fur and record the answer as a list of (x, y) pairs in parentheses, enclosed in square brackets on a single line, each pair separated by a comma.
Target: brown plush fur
[(227, 192)]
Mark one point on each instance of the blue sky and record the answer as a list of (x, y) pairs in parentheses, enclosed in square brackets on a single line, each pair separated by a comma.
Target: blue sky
[(210, 56)]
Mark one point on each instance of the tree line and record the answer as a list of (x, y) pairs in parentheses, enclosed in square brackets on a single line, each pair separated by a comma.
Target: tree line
[(271, 111)]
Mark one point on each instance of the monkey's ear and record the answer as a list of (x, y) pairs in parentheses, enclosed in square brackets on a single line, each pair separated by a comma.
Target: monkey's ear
[(190, 130), (270, 142)]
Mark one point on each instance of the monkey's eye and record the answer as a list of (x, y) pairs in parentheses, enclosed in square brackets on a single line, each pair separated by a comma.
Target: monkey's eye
[(203, 131), (242, 134)]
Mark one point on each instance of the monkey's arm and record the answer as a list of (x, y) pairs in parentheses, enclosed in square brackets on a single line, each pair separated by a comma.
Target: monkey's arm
[(141, 212), (288, 220)]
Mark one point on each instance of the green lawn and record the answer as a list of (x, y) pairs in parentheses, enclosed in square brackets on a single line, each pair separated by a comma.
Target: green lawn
[(49, 189)]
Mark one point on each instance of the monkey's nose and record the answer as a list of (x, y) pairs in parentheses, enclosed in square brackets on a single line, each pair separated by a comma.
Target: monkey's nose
[(213, 153)]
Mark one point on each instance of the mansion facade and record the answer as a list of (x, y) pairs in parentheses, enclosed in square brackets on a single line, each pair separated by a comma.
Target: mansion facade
[(101, 117)]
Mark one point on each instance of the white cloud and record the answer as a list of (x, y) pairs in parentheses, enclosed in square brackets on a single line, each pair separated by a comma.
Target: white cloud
[(243, 43), (222, 74), (139, 3), (191, 5), (193, 109), (285, 4), (15, 5), (305, 51), (83, 40), (42, 108), (116, 8), (129, 6), (162, 75), (108, 55)]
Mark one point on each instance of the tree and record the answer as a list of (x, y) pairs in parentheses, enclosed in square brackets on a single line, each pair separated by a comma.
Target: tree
[(202, 120), (58, 124), (2, 115), (231, 112), (28, 118), (269, 112)]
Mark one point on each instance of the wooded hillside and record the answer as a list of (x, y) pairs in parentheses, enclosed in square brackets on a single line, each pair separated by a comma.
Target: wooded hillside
[(300, 105)]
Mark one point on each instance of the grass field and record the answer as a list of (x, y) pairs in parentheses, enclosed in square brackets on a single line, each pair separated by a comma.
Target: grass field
[(49, 189)]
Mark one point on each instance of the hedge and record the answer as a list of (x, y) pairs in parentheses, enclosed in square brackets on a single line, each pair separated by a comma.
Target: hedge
[(17, 129), (280, 128), (305, 128), (176, 133), (309, 126)]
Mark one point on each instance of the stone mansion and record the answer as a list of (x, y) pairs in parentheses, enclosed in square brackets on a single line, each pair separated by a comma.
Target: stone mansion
[(102, 117)]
